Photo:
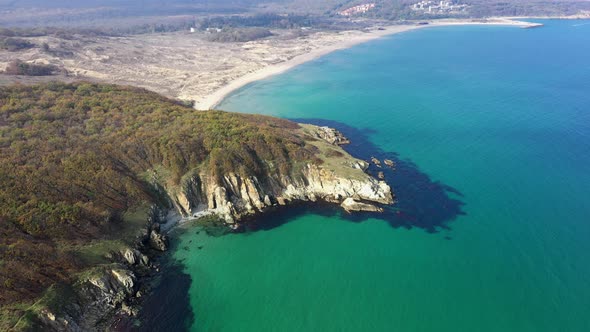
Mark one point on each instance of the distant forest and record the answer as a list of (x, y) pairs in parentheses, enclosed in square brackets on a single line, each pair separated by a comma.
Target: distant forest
[(125, 14)]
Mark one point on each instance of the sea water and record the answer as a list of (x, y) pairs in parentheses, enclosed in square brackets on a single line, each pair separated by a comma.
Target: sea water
[(490, 130)]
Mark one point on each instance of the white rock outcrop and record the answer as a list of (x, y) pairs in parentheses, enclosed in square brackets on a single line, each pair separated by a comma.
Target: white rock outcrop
[(236, 196)]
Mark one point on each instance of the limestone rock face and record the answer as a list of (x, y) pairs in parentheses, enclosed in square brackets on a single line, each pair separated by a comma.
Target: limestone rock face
[(135, 257), (350, 205), (96, 298), (236, 196), (111, 289), (158, 241), (108, 290), (331, 136), (126, 279), (130, 256)]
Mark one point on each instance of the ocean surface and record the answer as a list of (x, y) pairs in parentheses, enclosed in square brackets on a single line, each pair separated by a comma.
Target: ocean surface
[(490, 128)]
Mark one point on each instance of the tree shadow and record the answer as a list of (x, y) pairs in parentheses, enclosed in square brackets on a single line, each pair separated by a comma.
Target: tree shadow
[(420, 201)]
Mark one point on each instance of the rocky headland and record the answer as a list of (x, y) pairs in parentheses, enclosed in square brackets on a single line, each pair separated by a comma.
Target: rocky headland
[(342, 181), (122, 155), (108, 294)]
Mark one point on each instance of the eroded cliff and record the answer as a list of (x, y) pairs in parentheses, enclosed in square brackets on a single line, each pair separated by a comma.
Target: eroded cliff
[(77, 158), (334, 177)]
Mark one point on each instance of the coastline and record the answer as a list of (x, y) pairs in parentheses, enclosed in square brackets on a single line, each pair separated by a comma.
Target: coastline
[(214, 99)]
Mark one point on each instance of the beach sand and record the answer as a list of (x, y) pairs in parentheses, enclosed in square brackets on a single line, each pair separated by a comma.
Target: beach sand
[(214, 99), (185, 66)]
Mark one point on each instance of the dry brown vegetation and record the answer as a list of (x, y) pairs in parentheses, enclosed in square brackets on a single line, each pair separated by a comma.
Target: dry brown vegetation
[(18, 67), (73, 158)]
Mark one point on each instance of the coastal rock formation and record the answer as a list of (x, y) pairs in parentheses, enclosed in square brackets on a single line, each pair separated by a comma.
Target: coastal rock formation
[(235, 196), (129, 150), (92, 299), (331, 136), (158, 241), (388, 162), (106, 291), (376, 162), (135, 257), (114, 289), (350, 205)]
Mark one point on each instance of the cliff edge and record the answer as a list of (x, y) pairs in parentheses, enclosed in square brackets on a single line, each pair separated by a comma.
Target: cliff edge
[(81, 163), (334, 176)]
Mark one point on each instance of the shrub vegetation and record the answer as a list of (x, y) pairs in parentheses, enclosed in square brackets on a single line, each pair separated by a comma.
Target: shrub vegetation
[(18, 67), (72, 156)]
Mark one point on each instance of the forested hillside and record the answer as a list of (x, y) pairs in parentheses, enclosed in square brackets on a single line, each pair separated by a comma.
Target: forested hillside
[(123, 15), (74, 159)]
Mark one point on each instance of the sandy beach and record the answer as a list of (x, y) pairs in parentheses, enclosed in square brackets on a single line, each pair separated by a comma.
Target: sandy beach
[(213, 100), (186, 66)]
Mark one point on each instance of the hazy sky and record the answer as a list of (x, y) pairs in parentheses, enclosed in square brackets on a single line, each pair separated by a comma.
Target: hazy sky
[(99, 3)]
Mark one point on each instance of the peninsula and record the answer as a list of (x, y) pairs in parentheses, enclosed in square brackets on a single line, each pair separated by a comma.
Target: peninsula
[(91, 173), (94, 174)]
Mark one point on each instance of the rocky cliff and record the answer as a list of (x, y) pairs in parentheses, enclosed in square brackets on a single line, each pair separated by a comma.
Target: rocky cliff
[(74, 200), (336, 177), (114, 290), (106, 295)]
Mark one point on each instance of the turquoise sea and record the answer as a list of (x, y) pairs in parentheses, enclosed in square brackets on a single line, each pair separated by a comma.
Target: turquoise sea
[(490, 127)]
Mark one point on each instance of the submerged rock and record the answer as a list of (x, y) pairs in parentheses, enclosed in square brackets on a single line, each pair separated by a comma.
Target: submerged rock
[(376, 161), (389, 163)]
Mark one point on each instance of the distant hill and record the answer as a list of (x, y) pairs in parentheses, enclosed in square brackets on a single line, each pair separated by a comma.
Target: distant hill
[(73, 12)]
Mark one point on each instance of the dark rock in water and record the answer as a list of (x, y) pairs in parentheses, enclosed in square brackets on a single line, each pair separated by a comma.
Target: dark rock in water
[(144, 260), (381, 176), (130, 310), (389, 163), (376, 161)]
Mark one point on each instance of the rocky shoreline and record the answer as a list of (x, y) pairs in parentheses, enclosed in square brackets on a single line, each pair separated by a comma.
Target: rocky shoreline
[(343, 182), (110, 296)]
